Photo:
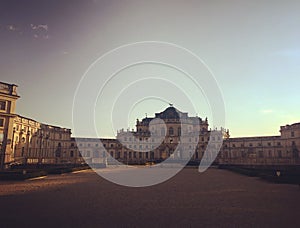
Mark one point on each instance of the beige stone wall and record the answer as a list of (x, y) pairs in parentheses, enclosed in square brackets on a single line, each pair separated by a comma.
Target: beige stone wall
[(38, 143), (272, 150), (8, 98)]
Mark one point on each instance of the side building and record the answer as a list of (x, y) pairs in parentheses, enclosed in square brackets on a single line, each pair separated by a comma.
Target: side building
[(8, 98), (283, 149), (37, 143)]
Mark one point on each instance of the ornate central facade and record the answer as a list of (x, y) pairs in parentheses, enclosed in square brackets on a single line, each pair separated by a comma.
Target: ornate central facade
[(170, 133)]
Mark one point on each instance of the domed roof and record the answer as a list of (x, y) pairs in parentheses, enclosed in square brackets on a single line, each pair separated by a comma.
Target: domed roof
[(170, 113)]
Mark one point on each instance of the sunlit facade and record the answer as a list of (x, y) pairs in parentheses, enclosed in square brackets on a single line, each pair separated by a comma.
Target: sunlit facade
[(168, 134), (8, 98), (37, 143)]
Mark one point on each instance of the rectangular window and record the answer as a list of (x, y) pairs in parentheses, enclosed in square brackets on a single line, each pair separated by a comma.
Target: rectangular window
[(3, 105), (1, 122), (292, 134), (279, 153)]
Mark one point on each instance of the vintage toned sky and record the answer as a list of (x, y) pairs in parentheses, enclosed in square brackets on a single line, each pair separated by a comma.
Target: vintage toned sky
[(252, 48)]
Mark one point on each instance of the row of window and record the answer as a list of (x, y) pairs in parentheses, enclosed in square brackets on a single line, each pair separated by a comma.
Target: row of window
[(43, 153), (190, 139), (171, 131), (259, 144), (117, 155), (260, 154)]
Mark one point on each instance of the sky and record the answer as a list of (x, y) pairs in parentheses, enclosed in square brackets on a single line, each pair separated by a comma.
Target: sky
[(251, 49)]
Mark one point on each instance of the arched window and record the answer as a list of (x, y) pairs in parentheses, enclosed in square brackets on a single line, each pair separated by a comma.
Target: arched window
[(171, 131)]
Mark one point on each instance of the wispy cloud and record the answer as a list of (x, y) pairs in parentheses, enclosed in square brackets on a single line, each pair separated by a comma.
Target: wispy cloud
[(266, 111), (40, 31), (40, 26), (37, 36), (11, 28)]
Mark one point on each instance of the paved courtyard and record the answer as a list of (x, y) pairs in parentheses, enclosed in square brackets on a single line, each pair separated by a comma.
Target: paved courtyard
[(216, 198)]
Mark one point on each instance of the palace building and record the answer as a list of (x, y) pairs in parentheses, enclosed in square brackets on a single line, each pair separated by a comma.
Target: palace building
[(169, 134), (26, 141), (268, 150), (8, 98), (37, 143)]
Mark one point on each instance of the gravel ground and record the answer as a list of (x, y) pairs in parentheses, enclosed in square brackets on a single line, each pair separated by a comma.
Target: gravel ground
[(216, 198)]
